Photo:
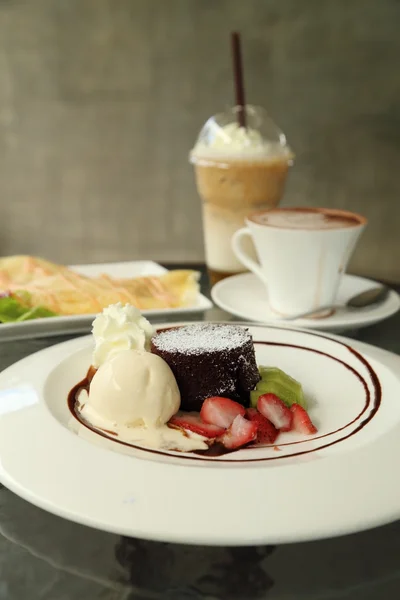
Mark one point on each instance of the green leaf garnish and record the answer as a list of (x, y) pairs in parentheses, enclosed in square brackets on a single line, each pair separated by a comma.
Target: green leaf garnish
[(14, 311)]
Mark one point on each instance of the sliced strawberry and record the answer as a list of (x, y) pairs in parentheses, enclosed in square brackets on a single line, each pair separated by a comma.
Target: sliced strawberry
[(301, 420), (266, 432), (192, 422), (240, 433), (275, 411), (221, 411)]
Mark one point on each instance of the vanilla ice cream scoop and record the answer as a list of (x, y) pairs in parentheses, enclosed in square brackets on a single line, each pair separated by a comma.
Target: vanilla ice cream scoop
[(134, 388)]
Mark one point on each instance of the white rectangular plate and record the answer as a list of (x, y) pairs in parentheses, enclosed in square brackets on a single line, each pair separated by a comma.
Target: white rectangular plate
[(82, 323)]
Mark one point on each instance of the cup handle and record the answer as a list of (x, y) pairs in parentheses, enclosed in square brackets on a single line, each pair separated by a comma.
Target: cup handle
[(241, 255)]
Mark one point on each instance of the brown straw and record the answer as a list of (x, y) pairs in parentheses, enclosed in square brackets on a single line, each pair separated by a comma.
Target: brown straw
[(238, 76)]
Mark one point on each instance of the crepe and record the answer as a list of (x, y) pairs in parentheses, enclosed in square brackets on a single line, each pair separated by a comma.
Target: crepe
[(37, 282)]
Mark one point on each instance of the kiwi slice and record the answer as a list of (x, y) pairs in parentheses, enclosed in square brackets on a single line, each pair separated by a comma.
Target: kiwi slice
[(254, 396), (273, 373), (275, 381)]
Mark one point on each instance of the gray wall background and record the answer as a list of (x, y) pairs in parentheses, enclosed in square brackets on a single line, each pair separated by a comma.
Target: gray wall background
[(101, 100)]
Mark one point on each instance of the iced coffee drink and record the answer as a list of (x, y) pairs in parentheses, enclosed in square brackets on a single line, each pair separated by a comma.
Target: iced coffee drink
[(238, 171)]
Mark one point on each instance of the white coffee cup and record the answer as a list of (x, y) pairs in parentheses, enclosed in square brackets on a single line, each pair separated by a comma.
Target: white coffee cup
[(303, 254)]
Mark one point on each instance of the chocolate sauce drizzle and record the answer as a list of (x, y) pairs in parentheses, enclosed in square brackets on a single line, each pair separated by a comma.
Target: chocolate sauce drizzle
[(218, 450)]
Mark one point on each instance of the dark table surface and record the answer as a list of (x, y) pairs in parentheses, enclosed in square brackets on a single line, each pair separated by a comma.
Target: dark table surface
[(45, 557)]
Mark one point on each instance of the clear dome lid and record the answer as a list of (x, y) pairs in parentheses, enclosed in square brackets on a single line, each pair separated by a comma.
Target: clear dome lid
[(223, 136)]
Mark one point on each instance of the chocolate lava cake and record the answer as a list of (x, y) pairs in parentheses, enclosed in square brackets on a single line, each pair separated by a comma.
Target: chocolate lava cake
[(209, 360)]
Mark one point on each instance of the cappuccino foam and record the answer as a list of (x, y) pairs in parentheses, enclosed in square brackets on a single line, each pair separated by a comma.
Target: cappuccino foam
[(306, 219)]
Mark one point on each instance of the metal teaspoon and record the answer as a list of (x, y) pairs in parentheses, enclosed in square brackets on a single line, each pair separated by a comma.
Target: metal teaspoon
[(362, 300)]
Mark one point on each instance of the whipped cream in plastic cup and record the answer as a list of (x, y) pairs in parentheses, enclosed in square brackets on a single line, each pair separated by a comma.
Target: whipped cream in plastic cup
[(238, 171)]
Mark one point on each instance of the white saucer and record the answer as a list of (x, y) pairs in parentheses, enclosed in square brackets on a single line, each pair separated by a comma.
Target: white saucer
[(339, 481), (245, 297)]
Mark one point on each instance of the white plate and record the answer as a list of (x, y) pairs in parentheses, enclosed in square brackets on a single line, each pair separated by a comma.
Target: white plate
[(82, 323), (313, 488), (245, 297)]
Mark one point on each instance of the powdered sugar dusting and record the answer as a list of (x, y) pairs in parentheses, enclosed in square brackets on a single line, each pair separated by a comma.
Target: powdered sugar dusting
[(204, 337)]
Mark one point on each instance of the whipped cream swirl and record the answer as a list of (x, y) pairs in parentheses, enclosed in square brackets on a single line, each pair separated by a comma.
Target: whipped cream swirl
[(119, 328), (233, 140)]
